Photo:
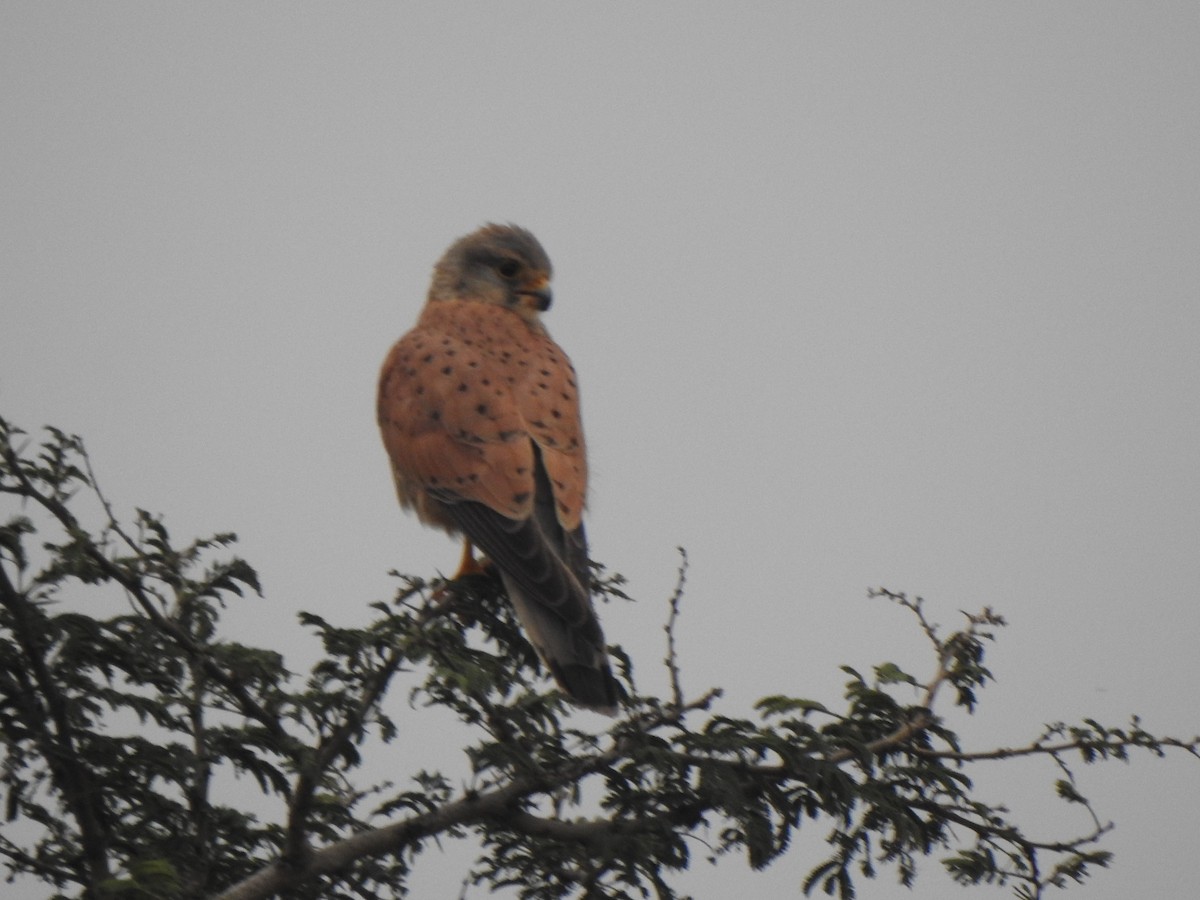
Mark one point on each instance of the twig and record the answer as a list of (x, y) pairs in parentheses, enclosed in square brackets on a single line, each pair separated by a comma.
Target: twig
[(60, 746), (672, 660), (1038, 748), (301, 801), (113, 525), (248, 706)]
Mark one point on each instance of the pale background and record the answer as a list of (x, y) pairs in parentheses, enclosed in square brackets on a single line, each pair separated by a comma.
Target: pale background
[(859, 295)]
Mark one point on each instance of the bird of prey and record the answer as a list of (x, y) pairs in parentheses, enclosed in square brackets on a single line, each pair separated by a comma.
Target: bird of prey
[(479, 412)]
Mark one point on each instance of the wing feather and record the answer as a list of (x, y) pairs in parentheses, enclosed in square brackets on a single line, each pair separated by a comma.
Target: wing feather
[(480, 417)]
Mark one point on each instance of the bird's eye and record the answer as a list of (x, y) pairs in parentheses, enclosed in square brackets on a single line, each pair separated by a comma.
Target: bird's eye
[(508, 268)]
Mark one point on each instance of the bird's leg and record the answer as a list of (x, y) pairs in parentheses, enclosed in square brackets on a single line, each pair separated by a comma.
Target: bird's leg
[(469, 564)]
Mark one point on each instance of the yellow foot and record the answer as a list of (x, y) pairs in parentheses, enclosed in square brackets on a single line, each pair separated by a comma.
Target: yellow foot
[(469, 564), (467, 567)]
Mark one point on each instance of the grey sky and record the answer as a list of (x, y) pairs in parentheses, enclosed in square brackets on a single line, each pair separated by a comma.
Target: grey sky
[(858, 295)]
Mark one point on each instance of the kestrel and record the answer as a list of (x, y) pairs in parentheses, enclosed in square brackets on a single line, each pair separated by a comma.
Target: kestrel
[(479, 412)]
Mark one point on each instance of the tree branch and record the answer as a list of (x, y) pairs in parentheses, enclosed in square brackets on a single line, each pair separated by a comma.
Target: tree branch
[(468, 809), (672, 660), (60, 745), (136, 589), (301, 801), (1037, 748)]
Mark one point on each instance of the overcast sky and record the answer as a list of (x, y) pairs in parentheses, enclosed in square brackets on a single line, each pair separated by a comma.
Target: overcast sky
[(882, 294)]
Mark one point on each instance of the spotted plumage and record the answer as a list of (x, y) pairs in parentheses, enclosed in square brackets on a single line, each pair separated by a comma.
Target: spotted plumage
[(479, 413)]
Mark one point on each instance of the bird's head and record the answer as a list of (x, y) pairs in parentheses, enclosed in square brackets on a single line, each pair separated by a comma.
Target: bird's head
[(501, 264)]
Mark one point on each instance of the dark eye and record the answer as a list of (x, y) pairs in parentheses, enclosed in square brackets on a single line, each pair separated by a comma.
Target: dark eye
[(509, 268)]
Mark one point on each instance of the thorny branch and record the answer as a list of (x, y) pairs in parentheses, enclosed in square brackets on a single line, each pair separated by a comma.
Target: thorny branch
[(672, 660)]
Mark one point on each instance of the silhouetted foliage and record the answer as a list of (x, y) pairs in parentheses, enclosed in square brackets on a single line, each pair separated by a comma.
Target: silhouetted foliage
[(117, 728)]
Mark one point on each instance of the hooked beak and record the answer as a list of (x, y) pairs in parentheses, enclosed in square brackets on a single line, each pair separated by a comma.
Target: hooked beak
[(537, 297)]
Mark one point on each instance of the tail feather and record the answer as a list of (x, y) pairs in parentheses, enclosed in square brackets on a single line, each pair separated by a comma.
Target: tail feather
[(579, 665), (545, 570)]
